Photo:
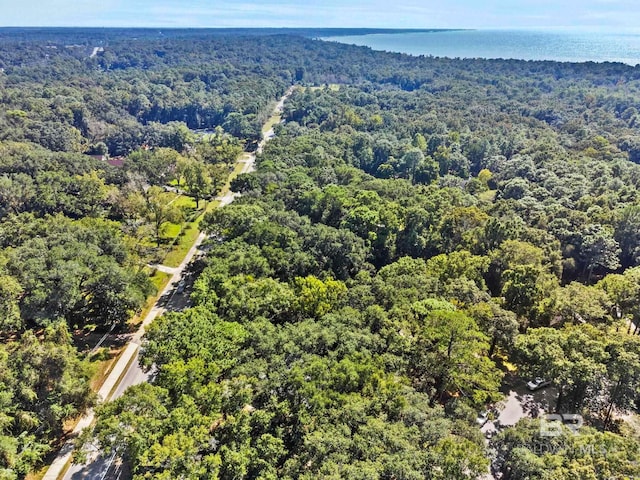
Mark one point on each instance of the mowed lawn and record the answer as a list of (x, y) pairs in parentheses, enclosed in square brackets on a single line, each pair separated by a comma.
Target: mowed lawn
[(184, 236), (179, 238)]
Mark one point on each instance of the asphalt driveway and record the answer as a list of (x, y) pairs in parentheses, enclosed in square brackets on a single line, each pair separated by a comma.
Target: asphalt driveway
[(520, 403)]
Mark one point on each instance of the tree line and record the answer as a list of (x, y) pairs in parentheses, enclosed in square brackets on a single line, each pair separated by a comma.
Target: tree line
[(401, 248), (411, 234)]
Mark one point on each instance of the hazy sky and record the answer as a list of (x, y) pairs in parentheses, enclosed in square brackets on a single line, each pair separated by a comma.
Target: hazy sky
[(591, 14)]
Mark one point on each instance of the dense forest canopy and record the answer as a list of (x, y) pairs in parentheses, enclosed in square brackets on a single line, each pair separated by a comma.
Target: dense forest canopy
[(419, 231)]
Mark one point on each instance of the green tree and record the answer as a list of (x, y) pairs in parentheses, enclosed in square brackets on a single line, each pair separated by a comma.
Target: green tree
[(576, 303), (623, 370), (501, 326), (450, 356), (598, 249), (410, 162), (461, 227), (447, 267), (196, 333), (245, 182), (79, 271), (317, 297), (156, 166), (219, 148), (158, 210), (522, 453), (419, 142), (627, 234), (16, 193), (10, 293), (197, 180), (44, 384), (574, 358), (624, 292), (426, 172), (525, 289)]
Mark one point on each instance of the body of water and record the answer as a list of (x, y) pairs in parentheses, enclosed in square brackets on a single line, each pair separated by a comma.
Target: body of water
[(518, 44)]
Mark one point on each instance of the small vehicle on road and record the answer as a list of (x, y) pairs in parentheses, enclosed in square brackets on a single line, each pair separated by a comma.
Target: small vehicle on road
[(537, 383), (181, 286)]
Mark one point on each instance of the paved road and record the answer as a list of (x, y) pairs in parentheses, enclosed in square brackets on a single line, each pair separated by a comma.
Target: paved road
[(98, 467), (95, 51)]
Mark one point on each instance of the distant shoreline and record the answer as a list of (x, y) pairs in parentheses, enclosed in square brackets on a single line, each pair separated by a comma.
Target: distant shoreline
[(347, 32), (305, 32), (516, 44)]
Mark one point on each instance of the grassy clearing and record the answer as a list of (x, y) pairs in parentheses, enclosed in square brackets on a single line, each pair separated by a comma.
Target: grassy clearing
[(237, 170), (334, 87), (171, 196), (159, 280), (104, 361), (181, 236), (181, 247), (272, 122), (188, 236), (38, 474), (211, 206), (170, 231), (188, 206), (185, 202)]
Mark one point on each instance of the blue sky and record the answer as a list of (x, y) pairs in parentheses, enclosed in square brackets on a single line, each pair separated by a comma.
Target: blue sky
[(588, 14)]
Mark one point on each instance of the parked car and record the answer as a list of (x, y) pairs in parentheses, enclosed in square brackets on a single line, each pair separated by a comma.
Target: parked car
[(537, 383), (482, 417), (181, 286)]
